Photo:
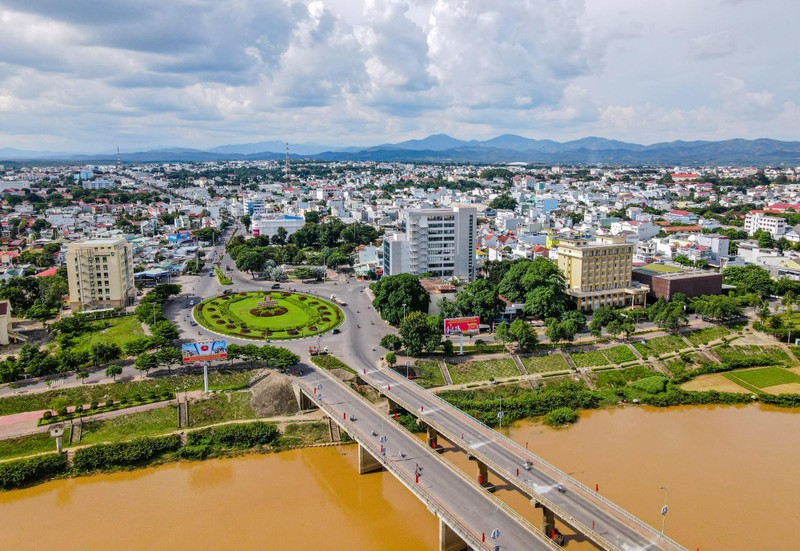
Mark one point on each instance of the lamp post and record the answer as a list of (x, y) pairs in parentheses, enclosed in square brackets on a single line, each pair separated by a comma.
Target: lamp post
[(404, 310), (664, 510)]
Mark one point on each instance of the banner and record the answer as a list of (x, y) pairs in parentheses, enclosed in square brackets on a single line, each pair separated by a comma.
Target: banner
[(454, 326), (204, 351)]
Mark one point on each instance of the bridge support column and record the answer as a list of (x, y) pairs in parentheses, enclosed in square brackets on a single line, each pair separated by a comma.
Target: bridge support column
[(549, 524), (433, 439), (483, 474), (366, 462), (392, 405), (449, 540)]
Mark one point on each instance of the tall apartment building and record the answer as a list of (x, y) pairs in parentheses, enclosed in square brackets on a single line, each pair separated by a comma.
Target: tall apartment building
[(100, 274), (598, 273), (772, 224), (437, 241)]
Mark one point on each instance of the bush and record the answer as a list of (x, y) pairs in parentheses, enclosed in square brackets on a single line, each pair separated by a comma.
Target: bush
[(193, 453), (124, 454), (47, 415), (652, 385), (561, 416), (246, 435), (24, 472), (93, 405)]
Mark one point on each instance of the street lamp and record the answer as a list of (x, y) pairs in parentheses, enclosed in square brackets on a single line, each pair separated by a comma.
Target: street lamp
[(664, 510), (404, 310)]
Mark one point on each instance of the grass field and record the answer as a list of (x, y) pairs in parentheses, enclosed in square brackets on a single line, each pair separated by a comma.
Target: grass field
[(764, 377), (621, 377), (544, 364), (217, 380), (29, 445), (426, 373), (120, 331), (707, 334), (727, 353), (467, 372), (589, 358), (619, 354), (293, 315), (660, 345)]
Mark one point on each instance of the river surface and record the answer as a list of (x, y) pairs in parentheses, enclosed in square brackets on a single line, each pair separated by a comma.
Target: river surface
[(730, 474)]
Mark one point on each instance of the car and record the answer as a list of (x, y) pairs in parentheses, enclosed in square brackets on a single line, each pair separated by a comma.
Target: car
[(561, 489), (276, 286), (194, 323), (191, 303), (336, 331), (210, 274)]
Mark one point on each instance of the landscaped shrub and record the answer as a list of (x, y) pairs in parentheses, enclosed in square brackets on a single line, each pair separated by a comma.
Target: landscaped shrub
[(193, 453), (62, 411), (24, 472), (230, 326), (292, 331), (312, 328), (561, 416), (245, 435), (221, 322), (47, 415), (93, 405), (123, 454)]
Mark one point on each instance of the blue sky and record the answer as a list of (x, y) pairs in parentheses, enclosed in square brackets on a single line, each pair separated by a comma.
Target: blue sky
[(90, 75)]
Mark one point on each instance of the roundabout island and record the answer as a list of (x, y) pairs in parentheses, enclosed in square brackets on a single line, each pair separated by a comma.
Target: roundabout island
[(268, 315)]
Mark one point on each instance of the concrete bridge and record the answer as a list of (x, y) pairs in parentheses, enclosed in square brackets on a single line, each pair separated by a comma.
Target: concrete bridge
[(604, 523), (469, 517)]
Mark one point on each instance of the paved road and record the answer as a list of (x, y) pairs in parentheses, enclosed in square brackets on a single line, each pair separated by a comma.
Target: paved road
[(467, 508)]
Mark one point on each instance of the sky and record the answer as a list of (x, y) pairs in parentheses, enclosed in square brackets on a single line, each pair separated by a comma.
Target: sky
[(91, 75)]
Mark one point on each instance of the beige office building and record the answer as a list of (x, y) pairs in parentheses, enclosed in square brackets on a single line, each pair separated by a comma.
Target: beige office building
[(100, 273), (598, 273)]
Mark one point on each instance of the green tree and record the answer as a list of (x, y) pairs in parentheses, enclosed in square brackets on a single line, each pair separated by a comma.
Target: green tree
[(391, 342), (246, 221), (391, 359), (105, 352), (749, 279), (280, 237), (145, 362), (480, 298), (250, 261), (504, 201), (502, 333), (168, 356), (420, 332), (113, 370), (165, 331), (399, 295), (523, 334)]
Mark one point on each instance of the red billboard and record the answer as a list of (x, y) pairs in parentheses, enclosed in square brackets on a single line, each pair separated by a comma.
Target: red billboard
[(204, 351), (454, 326)]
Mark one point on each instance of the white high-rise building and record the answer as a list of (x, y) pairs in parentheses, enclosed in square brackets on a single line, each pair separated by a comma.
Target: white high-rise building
[(440, 242)]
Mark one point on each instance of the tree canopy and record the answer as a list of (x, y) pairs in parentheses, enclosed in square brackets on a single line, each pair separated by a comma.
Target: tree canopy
[(398, 295)]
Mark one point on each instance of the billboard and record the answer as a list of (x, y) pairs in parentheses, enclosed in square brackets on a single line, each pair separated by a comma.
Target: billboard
[(454, 326), (204, 351)]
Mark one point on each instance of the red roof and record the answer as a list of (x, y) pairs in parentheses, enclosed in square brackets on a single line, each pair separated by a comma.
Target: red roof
[(48, 272)]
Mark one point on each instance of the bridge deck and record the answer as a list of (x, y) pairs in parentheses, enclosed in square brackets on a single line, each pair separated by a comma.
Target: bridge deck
[(581, 508), (447, 492)]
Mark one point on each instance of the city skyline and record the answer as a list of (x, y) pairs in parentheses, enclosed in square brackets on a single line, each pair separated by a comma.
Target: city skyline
[(89, 77)]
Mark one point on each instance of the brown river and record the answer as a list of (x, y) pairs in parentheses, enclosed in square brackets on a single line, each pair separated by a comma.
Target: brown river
[(729, 472)]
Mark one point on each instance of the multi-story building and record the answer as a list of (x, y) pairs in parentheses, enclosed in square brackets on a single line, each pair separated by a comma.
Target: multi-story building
[(262, 225), (757, 221), (598, 273), (100, 274), (440, 242), (98, 184)]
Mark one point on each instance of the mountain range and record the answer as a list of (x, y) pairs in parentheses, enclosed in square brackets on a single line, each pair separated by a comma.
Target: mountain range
[(446, 149)]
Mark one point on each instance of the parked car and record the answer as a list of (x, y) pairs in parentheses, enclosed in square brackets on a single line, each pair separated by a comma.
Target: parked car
[(336, 331), (276, 286)]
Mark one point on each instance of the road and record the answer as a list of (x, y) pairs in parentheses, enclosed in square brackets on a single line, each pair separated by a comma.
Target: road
[(470, 510)]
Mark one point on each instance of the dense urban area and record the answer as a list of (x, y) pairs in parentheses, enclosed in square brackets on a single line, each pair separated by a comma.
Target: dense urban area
[(515, 291)]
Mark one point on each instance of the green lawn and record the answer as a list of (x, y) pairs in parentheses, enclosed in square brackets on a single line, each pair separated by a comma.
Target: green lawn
[(120, 331), (544, 364), (621, 377), (619, 354), (589, 358), (426, 373), (221, 407), (86, 394), (764, 377), (660, 345), (466, 372), (294, 315), (29, 445), (706, 335), (727, 353)]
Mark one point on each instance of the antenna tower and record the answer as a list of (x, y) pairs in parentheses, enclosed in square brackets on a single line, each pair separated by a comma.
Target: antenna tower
[(286, 164), (119, 161)]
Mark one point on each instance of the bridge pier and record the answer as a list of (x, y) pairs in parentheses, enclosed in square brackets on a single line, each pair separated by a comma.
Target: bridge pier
[(449, 540), (549, 524), (483, 474), (366, 462), (392, 405), (433, 439)]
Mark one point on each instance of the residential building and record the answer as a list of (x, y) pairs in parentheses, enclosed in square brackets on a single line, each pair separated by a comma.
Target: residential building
[(756, 221), (98, 184), (100, 274), (598, 273), (437, 241), (5, 321)]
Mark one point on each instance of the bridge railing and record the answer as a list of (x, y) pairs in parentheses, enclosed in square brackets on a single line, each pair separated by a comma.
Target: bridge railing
[(556, 472)]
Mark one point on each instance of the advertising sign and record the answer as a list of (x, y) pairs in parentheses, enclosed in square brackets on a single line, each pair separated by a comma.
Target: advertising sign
[(454, 326), (204, 351)]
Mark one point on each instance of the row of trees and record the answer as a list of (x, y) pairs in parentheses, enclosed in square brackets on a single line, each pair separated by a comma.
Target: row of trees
[(39, 298)]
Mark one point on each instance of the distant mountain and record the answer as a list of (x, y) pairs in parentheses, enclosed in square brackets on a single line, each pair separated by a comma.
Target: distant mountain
[(444, 148)]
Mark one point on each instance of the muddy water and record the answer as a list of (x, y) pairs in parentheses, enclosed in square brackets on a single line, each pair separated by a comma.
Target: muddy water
[(730, 474)]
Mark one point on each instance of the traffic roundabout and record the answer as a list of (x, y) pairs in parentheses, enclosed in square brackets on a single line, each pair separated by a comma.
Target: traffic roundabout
[(268, 315)]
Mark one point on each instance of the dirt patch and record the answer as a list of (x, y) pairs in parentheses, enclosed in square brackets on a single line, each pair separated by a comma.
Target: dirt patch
[(789, 388), (795, 370), (714, 381), (274, 396)]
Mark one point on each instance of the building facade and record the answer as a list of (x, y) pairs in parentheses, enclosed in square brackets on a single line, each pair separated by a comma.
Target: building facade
[(100, 274), (772, 224), (262, 225), (440, 242), (598, 273), (693, 283)]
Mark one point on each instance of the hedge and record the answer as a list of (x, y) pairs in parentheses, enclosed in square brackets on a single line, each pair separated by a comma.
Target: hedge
[(123, 454), (24, 472), (243, 435)]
